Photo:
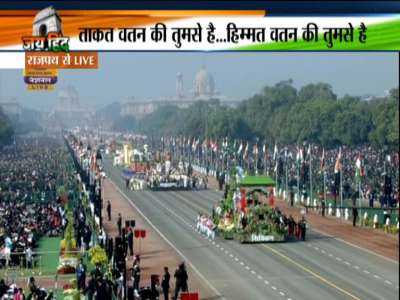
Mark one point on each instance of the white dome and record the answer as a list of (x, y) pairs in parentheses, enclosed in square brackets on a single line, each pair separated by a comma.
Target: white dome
[(204, 84), (69, 95)]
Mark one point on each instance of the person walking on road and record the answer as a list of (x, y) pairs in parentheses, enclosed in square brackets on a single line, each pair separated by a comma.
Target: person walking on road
[(303, 228), (291, 197), (323, 207), (127, 183), (355, 215), (109, 210), (181, 278), (119, 224), (165, 283)]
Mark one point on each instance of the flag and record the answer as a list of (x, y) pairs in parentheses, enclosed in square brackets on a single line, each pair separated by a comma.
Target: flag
[(309, 152), (338, 164), (225, 143), (299, 155), (204, 145), (214, 145), (246, 150), (323, 159), (255, 149), (240, 148), (275, 151), (195, 144), (360, 172)]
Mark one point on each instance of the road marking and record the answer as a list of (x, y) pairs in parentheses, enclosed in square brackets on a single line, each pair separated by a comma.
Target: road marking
[(168, 241), (349, 264), (273, 287), (199, 208), (388, 282), (266, 282), (282, 294), (324, 280), (260, 277), (247, 268), (355, 246), (242, 263), (253, 272)]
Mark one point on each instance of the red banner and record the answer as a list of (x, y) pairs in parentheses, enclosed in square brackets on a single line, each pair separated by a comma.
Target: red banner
[(243, 202), (189, 296), (137, 233), (140, 233)]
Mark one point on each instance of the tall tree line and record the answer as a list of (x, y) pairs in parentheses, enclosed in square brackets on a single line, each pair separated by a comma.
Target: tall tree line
[(283, 114)]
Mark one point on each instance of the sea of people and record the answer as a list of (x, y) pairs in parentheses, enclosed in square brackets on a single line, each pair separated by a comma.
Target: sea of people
[(30, 172)]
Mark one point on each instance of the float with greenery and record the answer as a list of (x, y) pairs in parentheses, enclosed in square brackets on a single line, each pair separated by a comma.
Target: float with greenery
[(68, 248), (247, 213)]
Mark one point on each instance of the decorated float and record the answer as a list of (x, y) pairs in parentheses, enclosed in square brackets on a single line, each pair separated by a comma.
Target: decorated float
[(164, 174), (68, 249), (247, 212)]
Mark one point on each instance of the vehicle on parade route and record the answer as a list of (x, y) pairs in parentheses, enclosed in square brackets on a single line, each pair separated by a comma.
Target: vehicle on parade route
[(247, 213)]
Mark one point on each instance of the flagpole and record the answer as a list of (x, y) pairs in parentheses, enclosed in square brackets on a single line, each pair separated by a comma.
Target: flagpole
[(256, 171), (324, 174), (341, 192), (311, 186), (265, 161), (298, 178), (286, 175), (359, 196)]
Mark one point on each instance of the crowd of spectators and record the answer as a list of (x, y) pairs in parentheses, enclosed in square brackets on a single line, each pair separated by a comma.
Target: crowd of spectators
[(31, 170)]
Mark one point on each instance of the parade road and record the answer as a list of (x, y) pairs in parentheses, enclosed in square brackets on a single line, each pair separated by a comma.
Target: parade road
[(322, 267)]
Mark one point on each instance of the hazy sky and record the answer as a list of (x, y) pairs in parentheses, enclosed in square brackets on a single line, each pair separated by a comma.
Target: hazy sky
[(237, 75)]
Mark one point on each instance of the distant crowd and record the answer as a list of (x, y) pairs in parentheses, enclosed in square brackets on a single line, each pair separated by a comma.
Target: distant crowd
[(31, 170)]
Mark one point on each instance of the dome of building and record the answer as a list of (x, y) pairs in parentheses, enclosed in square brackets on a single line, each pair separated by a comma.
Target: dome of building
[(68, 97), (204, 85)]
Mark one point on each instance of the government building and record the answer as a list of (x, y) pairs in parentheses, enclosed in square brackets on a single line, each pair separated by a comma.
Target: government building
[(204, 88)]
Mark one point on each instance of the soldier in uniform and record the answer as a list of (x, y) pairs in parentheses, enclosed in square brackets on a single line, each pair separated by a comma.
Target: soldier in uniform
[(119, 224), (181, 278), (165, 283), (109, 210)]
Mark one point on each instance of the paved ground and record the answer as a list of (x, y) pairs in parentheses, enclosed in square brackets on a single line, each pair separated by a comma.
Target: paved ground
[(320, 268), (154, 251)]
